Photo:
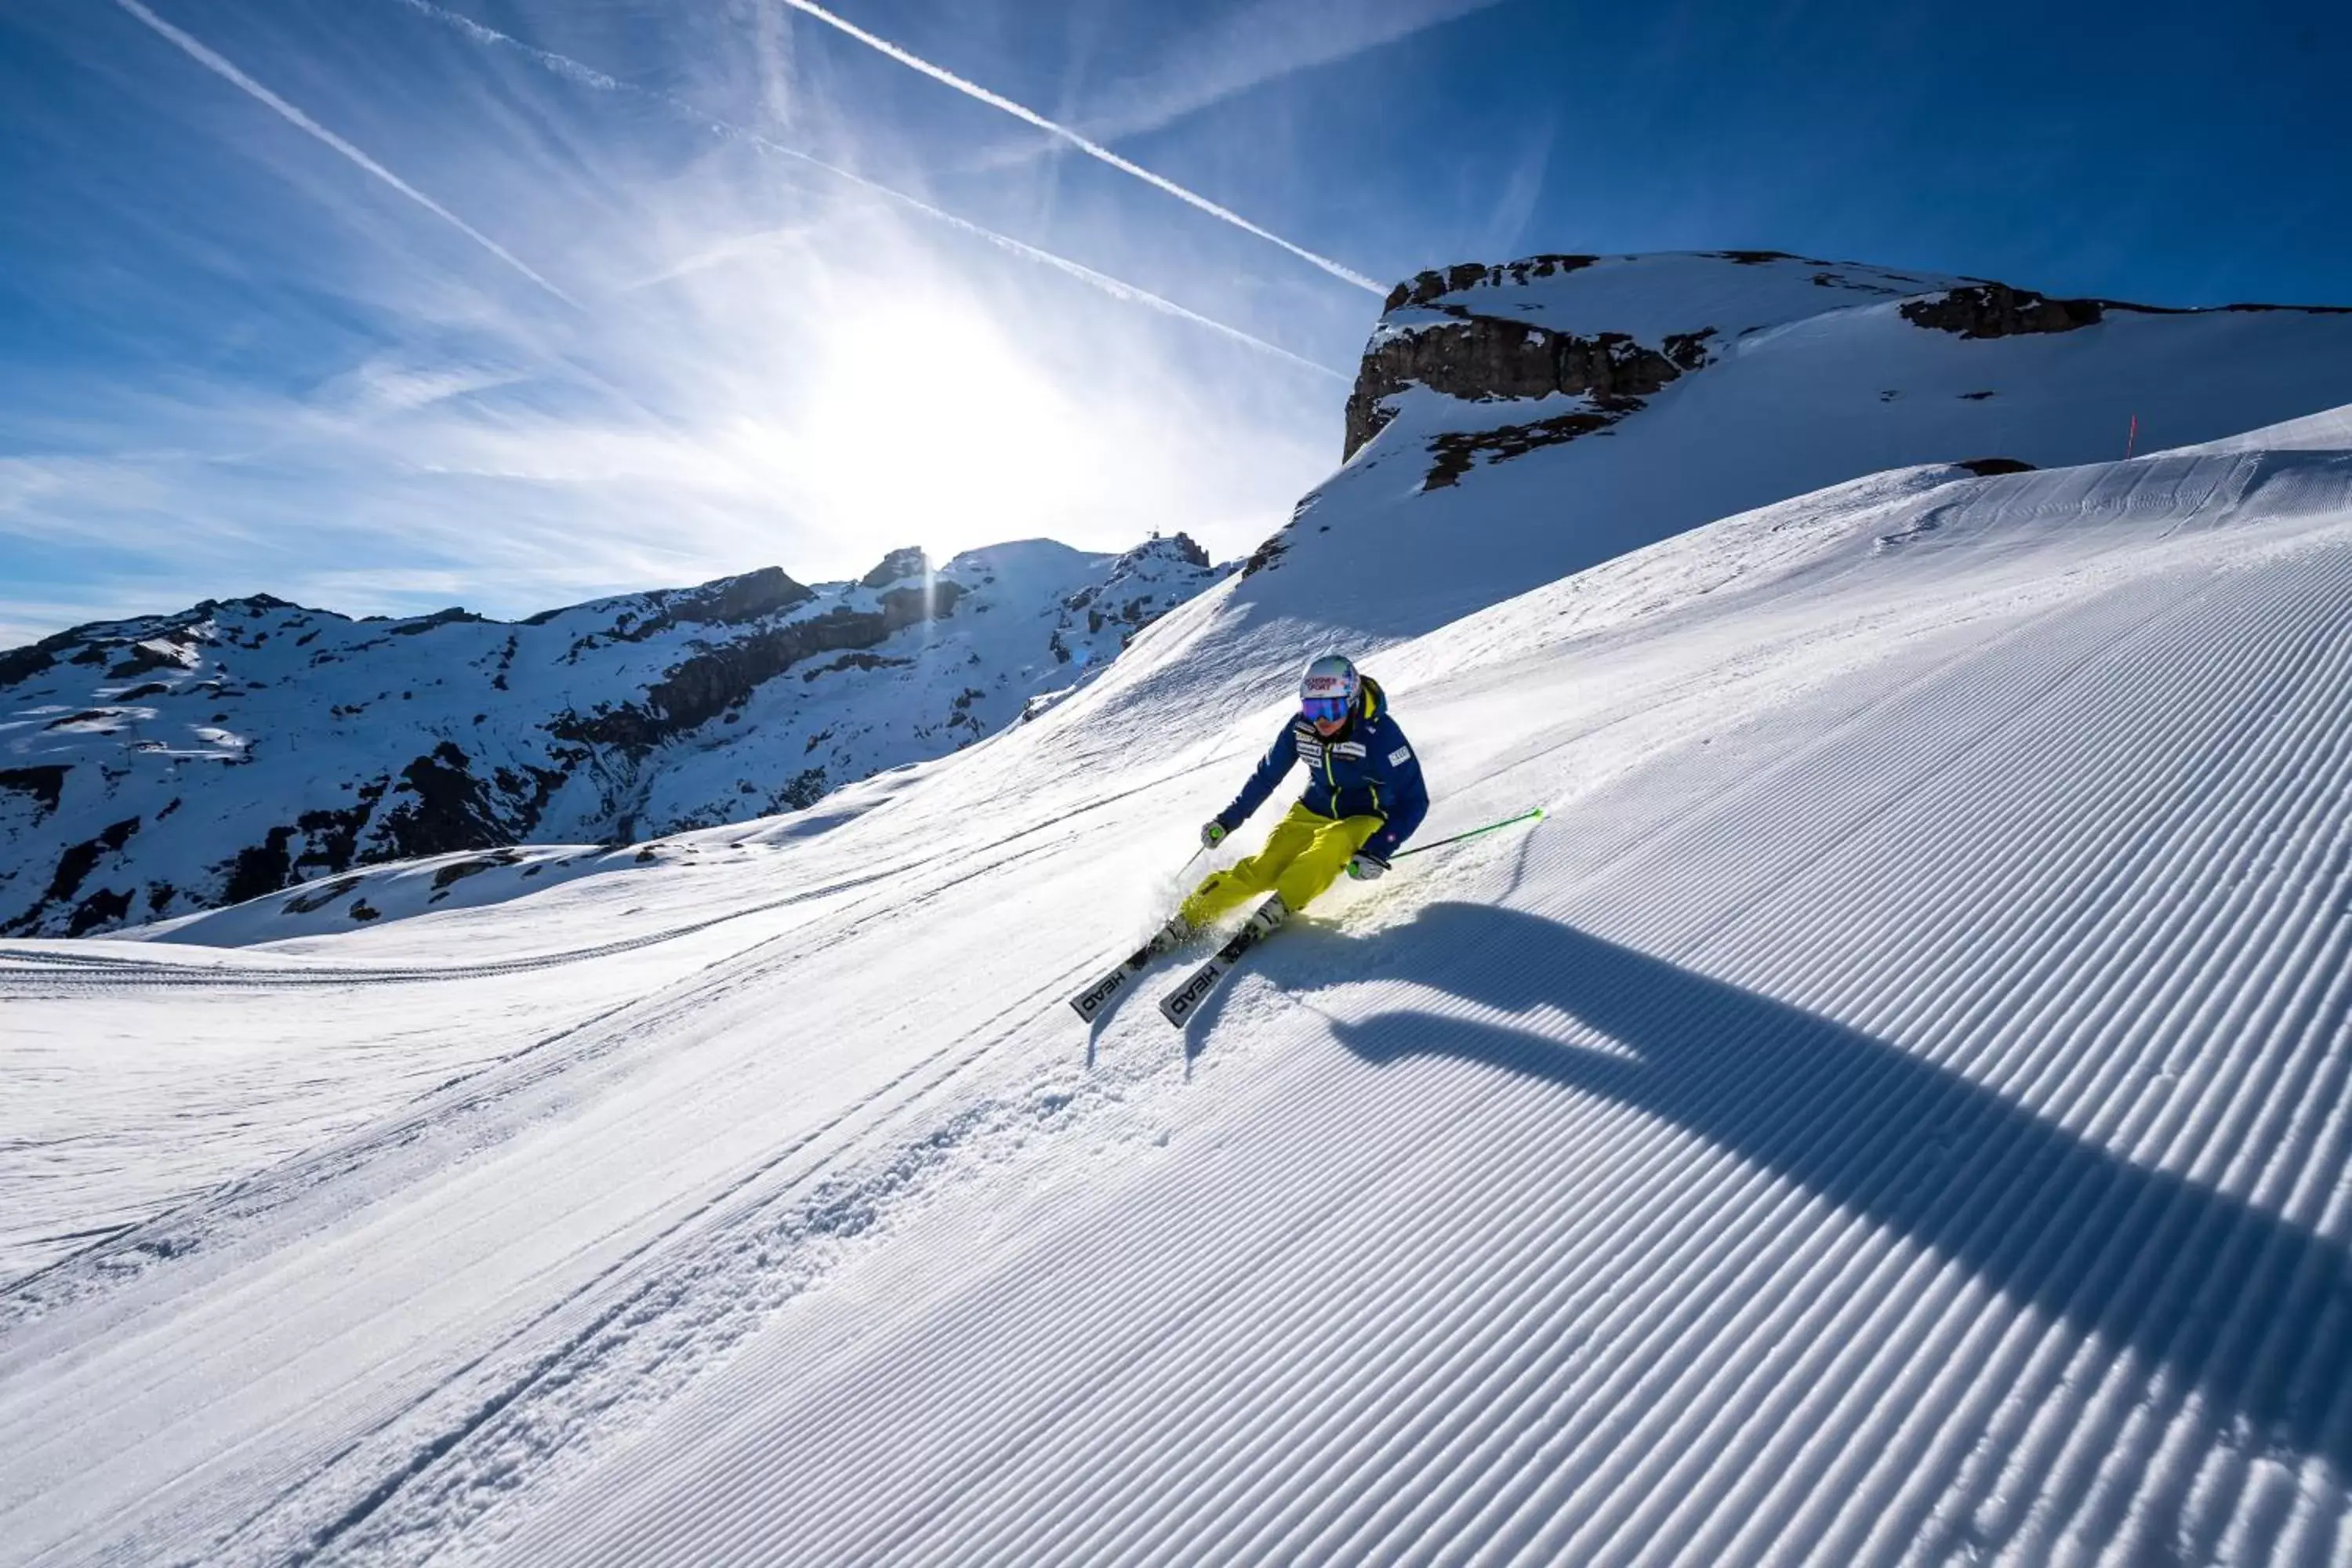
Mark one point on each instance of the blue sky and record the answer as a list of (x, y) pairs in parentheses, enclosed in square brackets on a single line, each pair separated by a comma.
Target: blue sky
[(386, 306)]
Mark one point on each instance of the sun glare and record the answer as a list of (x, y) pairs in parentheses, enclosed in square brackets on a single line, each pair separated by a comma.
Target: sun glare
[(924, 421)]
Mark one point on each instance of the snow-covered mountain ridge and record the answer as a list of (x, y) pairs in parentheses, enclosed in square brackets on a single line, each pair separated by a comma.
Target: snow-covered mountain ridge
[(153, 767), (1538, 417), (1617, 328)]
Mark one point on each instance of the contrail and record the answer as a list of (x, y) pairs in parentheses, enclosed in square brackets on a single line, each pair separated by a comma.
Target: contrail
[(1258, 42), (588, 76), (221, 68), (1092, 149)]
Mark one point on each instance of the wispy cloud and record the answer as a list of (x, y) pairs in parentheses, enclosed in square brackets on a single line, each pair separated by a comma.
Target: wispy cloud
[(386, 387), (1261, 43), (221, 67), (1093, 149), (1521, 194), (587, 76), (787, 361)]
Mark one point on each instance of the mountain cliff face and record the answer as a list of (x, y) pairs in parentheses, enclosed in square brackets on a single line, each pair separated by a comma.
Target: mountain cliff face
[(1534, 329), (1604, 403), (153, 767), (1520, 330)]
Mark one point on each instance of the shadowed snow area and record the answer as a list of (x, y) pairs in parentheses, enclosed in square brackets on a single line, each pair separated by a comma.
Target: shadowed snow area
[(1894, 1109)]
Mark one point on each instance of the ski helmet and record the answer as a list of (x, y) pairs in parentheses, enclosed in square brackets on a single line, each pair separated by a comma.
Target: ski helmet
[(1327, 692)]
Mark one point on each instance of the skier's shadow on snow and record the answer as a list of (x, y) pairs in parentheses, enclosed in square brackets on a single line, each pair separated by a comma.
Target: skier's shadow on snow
[(2256, 1312)]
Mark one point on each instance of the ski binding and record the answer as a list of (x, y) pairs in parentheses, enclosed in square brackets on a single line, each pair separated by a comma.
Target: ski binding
[(1181, 1003)]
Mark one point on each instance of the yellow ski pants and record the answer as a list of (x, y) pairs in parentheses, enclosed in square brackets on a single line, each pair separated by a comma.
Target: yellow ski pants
[(1304, 855)]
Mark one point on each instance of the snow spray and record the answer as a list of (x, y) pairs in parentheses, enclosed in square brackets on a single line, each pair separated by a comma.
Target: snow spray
[(1158, 895)]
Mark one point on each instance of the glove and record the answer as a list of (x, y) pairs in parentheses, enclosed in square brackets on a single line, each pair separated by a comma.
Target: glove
[(1366, 867), (1213, 832)]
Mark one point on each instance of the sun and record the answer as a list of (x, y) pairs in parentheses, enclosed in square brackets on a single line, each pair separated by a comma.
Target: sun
[(925, 420)]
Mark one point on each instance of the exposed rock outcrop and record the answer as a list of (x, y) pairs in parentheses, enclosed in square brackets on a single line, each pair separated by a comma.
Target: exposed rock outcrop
[(45, 785), (1483, 358), (72, 868), (1998, 310), (1425, 288), (1133, 594), (1456, 452), (439, 806), (858, 660), (259, 869), (706, 685), (734, 601), (455, 615), (1269, 556), (897, 567), (23, 663)]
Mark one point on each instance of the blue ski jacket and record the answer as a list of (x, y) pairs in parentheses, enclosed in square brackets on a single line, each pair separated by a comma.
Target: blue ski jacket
[(1366, 769)]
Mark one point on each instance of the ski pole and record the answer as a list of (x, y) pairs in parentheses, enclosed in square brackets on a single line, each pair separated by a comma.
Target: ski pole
[(1528, 815)]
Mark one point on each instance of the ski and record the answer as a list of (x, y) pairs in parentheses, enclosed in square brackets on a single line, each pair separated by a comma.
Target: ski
[(1181, 1003), (1095, 997)]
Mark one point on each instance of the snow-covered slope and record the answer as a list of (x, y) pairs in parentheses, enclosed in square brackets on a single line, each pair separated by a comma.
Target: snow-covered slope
[(151, 768), (1894, 1110)]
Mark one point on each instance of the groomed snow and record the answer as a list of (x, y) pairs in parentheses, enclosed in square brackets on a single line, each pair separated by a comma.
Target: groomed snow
[(1894, 1110)]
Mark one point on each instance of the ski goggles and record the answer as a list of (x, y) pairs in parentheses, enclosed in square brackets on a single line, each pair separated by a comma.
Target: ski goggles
[(1324, 709)]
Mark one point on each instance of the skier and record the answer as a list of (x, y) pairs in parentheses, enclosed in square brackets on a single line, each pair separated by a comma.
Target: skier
[(1364, 797)]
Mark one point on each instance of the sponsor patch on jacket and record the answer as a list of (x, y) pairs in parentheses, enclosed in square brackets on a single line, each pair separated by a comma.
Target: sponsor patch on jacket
[(1349, 748), (1401, 756)]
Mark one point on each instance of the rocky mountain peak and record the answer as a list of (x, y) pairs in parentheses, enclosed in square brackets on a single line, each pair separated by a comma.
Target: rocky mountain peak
[(1178, 548), (897, 567), (1613, 330), (1610, 332), (733, 601), (1602, 402)]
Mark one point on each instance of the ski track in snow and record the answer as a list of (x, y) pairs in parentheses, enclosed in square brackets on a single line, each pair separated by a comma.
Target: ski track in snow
[(1896, 1109)]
